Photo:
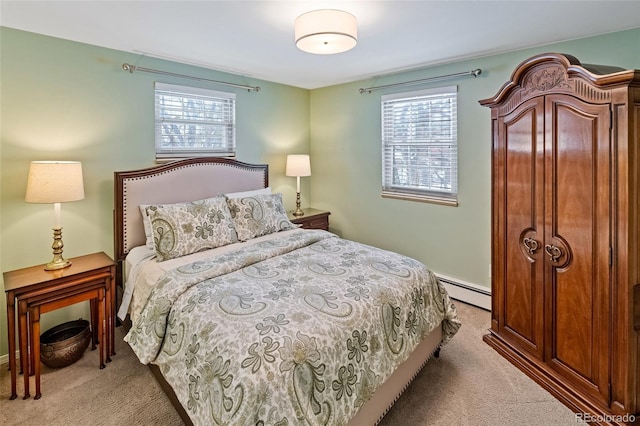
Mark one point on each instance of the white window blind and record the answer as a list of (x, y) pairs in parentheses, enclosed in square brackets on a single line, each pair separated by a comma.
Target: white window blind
[(419, 145), (194, 122)]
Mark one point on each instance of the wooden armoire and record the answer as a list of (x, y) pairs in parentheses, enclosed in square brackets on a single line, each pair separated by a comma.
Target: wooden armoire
[(566, 232)]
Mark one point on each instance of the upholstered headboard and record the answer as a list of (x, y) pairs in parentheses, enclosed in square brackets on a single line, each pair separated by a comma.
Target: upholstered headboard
[(178, 181)]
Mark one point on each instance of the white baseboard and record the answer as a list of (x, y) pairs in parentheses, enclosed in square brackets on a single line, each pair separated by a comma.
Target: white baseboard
[(466, 292), (4, 359)]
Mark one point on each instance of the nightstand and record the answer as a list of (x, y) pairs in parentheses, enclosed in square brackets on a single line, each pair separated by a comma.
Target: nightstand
[(312, 219), (37, 291)]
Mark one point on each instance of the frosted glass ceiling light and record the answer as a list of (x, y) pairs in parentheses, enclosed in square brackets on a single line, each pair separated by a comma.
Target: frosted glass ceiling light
[(326, 31)]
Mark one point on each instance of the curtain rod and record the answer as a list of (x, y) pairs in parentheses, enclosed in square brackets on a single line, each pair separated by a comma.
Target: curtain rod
[(474, 73), (132, 68)]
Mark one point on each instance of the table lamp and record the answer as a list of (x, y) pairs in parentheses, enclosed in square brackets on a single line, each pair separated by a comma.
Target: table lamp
[(55, 182), (298, 165)]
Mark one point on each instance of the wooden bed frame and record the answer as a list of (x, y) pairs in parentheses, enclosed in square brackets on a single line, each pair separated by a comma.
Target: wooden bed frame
[(199, 178)]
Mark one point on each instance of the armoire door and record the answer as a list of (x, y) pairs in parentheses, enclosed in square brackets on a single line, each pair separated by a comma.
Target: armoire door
[(577, 242), (520, 210)]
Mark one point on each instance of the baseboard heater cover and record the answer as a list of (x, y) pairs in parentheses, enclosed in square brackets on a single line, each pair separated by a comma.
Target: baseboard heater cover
[(466, 292)]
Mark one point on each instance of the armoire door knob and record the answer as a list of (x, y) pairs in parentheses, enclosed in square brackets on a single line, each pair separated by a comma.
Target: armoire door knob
[(531, 245), (554, 252)]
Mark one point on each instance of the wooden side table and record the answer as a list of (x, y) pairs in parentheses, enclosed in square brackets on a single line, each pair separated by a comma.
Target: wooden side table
[(36, 291), (312, 219)]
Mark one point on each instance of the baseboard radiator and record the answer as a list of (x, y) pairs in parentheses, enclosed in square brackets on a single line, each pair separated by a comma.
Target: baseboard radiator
[(472, 294)]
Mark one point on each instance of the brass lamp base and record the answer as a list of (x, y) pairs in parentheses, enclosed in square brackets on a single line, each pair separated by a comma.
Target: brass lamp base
[(298, 211), (58, 262)]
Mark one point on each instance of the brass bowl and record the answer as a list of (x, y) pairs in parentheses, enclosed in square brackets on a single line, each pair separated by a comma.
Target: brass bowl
[(64, 344)]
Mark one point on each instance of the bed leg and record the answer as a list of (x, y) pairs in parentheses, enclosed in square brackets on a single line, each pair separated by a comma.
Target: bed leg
[(437, 353)]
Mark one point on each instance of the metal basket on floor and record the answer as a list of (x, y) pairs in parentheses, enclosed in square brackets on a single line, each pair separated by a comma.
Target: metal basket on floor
[(64, 344)]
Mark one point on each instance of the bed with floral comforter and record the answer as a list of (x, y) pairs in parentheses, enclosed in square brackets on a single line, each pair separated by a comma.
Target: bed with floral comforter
[(300, 329)]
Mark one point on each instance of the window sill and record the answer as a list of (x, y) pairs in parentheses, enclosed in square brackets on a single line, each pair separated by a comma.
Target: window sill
[(421, 198)]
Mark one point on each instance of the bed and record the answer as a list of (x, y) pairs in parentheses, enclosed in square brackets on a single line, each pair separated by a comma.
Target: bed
[(260, 322)]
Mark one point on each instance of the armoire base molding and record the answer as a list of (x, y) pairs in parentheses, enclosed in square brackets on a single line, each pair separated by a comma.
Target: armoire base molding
[(561, 391)]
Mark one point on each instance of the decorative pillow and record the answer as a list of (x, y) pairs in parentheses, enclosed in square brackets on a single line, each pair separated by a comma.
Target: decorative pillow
[(185, 228), (146, 209), (259, 215)]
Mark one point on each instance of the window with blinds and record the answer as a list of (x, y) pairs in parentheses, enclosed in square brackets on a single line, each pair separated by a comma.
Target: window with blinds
[(194, 122), (419, 145)]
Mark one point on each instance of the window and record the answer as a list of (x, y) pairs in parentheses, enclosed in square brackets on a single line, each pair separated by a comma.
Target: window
[(193, 122), (419, 145)]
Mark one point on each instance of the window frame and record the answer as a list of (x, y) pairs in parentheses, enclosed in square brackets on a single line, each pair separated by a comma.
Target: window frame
[(390, 103), (226, 100)]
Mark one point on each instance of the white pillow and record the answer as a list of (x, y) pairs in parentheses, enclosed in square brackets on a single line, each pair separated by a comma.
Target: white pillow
[(146, 222), (242, 194)]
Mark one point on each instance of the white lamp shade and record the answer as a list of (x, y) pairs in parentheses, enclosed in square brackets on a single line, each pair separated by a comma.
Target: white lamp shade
[(54, 182), (298, 165), (326, 31)]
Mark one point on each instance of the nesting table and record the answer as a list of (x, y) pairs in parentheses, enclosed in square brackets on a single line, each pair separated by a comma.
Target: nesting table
[(36, 291)]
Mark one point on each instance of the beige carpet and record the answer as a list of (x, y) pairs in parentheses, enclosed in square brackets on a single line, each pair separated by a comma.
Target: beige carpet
[(470, 384)]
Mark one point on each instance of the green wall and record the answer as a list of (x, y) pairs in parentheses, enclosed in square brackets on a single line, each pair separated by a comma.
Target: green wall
[(71, 101), (346, 156), (62, 100)]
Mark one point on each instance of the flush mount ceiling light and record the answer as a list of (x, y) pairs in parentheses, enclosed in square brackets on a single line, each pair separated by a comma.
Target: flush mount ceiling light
[(326, 31)]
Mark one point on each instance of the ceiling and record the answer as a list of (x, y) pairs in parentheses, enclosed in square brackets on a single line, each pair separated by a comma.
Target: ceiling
[(255, 38)]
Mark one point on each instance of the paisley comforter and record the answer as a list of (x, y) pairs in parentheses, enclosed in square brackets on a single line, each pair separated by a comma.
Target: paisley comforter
[(300, 329)]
